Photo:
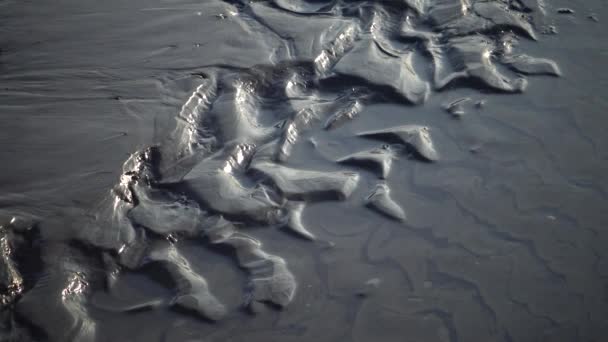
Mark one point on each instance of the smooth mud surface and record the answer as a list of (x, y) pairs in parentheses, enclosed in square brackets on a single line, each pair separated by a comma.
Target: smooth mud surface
[(304, 170)]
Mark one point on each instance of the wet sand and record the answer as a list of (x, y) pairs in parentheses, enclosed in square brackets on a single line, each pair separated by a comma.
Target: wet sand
[(303, 170)]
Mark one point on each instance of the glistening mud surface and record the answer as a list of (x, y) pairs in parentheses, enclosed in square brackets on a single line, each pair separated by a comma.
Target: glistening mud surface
[(303, 170)]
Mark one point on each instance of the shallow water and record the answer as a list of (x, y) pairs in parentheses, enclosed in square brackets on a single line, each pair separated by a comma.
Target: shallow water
[(303, 170)]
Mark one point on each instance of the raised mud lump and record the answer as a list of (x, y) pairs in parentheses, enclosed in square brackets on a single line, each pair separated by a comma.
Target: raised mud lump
[(380, 200), (296, 184), (416, 137)]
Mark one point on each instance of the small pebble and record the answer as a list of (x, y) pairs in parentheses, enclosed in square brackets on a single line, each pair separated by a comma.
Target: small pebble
[(565, 10), (551, 29), (369, 287), (475, 149), (457, 108)]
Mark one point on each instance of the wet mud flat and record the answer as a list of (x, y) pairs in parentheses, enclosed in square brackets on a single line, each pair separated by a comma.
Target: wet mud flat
[(303, 170)]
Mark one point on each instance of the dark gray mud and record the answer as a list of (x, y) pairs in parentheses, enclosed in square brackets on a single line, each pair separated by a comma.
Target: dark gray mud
[(292, 170)]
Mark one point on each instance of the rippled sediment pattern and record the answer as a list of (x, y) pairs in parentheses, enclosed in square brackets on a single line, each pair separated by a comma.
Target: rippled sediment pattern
[(264, 139)]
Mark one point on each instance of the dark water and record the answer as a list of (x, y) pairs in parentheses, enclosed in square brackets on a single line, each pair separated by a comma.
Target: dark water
[(303, 170)]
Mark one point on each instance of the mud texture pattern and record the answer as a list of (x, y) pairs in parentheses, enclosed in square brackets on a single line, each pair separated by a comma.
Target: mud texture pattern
[(302, 177)]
